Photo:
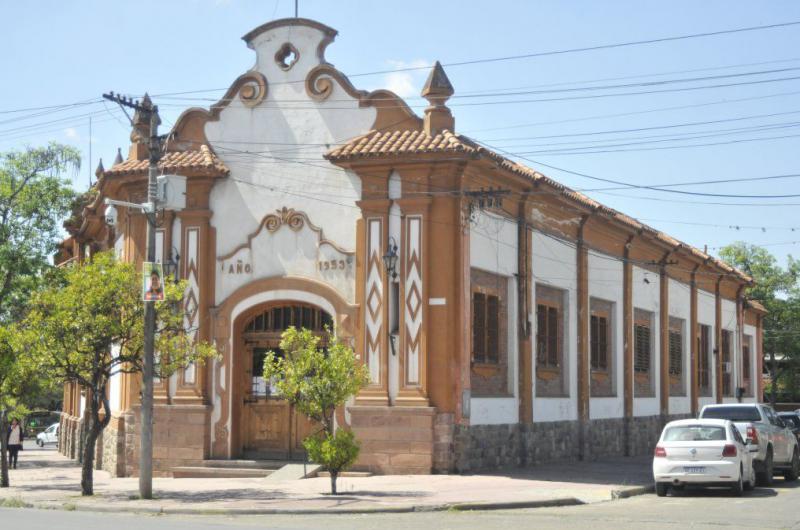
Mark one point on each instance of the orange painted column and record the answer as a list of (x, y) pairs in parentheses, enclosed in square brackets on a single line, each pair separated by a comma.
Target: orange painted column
[(525, 349), (583, 325), (718, 338)]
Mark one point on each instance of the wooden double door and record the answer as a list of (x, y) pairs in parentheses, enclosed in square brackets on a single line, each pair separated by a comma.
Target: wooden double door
[(270, 427)]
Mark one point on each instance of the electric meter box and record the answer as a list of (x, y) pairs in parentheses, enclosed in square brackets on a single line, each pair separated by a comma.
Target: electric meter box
[(171, 192)]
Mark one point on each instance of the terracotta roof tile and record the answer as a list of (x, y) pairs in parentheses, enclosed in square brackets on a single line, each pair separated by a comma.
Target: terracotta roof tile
[(199, 161), (378, 144)]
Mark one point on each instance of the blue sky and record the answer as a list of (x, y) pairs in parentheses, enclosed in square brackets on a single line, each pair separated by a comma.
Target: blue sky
[(65, 52)]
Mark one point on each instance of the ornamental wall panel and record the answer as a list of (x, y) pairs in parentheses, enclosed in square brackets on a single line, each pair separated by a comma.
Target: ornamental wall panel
[(412, 255), (374, 299)]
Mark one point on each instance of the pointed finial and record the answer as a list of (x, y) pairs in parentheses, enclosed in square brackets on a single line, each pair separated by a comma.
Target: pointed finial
[(438, 85), (437, 91), (118, 159), (100, 169)]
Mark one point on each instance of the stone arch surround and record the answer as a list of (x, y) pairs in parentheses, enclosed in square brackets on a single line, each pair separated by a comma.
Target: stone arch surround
[(228, 320)]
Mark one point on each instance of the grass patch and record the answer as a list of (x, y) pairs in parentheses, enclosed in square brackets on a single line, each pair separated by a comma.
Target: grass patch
[(70, 507), (14, 502)]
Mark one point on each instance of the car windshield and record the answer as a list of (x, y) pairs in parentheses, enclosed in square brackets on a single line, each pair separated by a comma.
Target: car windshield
[(695, 433), (732, 413)]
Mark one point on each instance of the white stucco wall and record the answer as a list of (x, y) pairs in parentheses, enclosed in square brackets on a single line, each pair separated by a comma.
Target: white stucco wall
[(493, 248), (646, 296), (115, 385), (553, 263), (277, 172), (605, 283), (680, 303)]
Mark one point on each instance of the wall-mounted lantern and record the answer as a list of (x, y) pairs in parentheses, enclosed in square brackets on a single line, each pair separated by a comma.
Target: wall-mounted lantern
[(390, 259)]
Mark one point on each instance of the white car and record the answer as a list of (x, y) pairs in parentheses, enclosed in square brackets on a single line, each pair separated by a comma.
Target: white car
[(48, 436), (703, 452)]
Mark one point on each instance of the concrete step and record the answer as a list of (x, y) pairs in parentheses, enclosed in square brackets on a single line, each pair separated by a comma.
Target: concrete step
[(346, 474), (220, 472), (246, 464)]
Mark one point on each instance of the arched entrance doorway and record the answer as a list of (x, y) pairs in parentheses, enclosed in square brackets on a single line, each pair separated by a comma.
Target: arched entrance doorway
[(270, 428)]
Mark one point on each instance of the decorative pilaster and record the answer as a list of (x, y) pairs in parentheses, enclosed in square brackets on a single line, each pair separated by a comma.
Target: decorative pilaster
[(376, 337), (413, 344), (627, 334)]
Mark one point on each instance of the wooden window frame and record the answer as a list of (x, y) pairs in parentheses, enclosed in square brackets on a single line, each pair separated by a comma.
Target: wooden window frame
[(704, 357), (488, 357), (640, 322), (676, 327), (594, 342), (553, 360), (726, 356)]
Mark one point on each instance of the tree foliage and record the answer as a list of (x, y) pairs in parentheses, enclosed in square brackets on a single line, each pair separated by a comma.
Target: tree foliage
[(777, 289), (317, 381), (34, 198), (89, 327)]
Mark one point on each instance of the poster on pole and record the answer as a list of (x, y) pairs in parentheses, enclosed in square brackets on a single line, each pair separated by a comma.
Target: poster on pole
[(152, 282)]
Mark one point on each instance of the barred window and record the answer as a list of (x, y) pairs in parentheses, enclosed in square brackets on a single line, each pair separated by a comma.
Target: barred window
[(675, 352), (485, 327), (727, 368), (599, 333), (746, 358), (704, 361), (642, 347), (548, 343)]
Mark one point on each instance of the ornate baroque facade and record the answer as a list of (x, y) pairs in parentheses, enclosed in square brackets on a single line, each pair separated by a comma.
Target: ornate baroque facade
[(510, 333)]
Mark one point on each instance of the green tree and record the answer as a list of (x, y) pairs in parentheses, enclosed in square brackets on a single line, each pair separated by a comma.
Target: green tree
[(317, 381), (91, 327), (777, 289), (20, 385), (33, 199)]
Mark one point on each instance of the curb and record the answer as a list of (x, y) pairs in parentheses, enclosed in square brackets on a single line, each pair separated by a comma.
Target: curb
[(458, 507), (617, 494), (631, 492)]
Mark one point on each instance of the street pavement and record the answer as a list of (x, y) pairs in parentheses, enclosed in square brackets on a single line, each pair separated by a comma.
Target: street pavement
[(764, 508)]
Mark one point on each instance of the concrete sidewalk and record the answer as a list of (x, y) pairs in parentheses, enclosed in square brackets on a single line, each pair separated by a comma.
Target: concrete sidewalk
[(46, 479)]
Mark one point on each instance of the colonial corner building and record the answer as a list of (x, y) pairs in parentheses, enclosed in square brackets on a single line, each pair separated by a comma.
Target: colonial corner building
[(517, 327)]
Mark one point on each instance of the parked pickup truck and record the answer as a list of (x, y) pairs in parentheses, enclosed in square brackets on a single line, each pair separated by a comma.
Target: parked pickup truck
[(760, 425)]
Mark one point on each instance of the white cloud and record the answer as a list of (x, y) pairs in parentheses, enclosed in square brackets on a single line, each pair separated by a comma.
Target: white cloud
[(406, 83), (72, 133)]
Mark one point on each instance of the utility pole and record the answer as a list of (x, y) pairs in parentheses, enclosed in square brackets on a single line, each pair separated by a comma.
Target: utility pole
[(148, 111)]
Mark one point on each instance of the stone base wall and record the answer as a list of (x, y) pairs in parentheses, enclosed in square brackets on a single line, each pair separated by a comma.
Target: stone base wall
[(394, 440), (113, 448), (479, 447), (70, 439), (180, 438)]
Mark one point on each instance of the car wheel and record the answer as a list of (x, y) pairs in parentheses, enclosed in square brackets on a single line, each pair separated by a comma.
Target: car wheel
[(791, 474), (661, 489), (765, 477), (40, 443), (738, 487)]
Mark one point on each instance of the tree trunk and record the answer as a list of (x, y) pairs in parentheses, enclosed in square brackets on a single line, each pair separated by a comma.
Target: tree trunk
[(87, 464), (334, 476), (4, 482)]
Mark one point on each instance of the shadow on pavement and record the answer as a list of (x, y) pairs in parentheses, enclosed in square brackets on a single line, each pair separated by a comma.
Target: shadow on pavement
[(631, 471)]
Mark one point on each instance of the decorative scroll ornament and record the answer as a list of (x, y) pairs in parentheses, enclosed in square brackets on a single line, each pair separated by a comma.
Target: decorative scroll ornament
[(285, 216)]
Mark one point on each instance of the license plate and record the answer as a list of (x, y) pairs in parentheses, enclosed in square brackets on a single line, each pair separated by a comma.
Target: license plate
[(694, 469)]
